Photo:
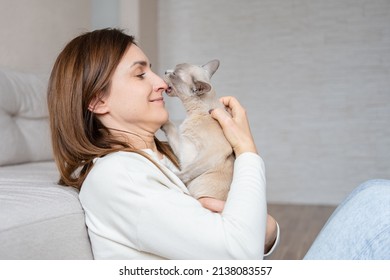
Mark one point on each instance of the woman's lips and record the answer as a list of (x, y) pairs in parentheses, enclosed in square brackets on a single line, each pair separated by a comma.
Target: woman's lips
[(157, 99)]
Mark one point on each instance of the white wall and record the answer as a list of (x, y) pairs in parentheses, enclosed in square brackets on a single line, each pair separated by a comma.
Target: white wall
[(33, 32), (105, 13), (313, 75)]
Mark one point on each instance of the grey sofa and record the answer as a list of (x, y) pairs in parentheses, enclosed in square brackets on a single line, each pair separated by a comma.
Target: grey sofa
[(38, 218)]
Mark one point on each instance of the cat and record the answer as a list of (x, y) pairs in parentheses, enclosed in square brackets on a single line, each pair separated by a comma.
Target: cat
[(206, 158)]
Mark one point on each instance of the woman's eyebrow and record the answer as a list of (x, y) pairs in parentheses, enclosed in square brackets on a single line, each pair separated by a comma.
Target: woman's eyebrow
[(142, 63)]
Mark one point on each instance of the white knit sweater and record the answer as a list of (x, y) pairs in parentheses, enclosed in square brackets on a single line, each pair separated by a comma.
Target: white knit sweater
[(135, 211)]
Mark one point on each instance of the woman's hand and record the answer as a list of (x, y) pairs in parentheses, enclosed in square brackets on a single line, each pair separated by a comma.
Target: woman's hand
[(270, 234), (212, 204), (235, 125)]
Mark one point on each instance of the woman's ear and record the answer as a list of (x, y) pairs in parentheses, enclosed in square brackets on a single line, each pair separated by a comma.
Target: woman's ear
[(98, 105)]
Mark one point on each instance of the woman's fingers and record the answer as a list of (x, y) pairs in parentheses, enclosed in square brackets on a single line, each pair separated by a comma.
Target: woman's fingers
[(235, 125)]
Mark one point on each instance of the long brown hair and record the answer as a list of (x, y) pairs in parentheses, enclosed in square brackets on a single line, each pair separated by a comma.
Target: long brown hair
[(82, 72)]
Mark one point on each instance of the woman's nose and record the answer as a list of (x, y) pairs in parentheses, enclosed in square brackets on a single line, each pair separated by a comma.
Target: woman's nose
[(159, 83)]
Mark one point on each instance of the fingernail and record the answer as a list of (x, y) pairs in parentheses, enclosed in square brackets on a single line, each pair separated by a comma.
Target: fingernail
[(210, 111)]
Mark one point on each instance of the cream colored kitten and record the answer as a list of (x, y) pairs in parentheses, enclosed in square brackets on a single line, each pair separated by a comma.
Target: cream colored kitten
[(206, 157)]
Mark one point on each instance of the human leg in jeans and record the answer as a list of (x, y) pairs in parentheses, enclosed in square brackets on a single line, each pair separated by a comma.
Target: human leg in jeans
[(359, 228)]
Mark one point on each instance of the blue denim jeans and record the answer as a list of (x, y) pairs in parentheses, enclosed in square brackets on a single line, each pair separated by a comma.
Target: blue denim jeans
[(359, 228)]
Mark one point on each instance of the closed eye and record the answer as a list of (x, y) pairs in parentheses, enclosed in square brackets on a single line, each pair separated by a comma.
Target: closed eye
[(141, 76)]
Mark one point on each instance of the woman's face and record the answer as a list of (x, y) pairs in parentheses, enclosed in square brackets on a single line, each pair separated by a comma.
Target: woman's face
[(135, 101)]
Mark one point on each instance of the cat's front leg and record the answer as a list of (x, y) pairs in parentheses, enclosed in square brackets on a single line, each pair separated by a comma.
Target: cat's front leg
[(170, 130)]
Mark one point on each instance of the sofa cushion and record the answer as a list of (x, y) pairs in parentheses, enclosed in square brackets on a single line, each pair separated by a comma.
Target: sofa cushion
[(24, 124), (38, 218)]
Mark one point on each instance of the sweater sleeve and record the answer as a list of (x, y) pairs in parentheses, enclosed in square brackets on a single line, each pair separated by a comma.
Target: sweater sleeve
[(176, 226)]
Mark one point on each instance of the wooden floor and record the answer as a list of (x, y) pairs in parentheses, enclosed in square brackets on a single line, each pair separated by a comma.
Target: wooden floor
[(299, 225)]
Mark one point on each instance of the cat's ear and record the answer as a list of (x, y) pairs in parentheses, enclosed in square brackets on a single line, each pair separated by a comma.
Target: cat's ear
[(201, 88), (211, 67)]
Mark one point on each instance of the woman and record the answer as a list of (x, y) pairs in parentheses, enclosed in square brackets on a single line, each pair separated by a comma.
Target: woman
[(105, 106)]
